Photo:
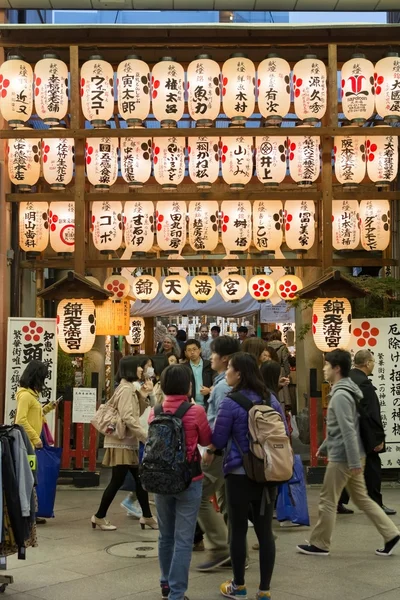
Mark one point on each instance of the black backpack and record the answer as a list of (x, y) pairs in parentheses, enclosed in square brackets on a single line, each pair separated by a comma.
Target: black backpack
[(165, 468)]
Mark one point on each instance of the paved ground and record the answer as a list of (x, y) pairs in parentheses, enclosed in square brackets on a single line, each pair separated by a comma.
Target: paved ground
[(73, 562)]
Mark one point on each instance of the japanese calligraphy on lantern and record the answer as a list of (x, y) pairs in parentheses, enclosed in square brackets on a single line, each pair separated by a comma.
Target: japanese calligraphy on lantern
[(300, 224), (168, 79), (233, 288), (139, 225), (174, 287), (203, 160), (375, 224), (271, 159), (350, 162), (16, 87), (136, 331), (387, 88), (267, 224), (62, 226), (33, 226), (203, 225), (58, 161), (310, 94), (304, 159), (107, 225), (331, 323), (97, 90), (202, 288), (382, 158), (112, 318), (236, 225), (203, 82), (135, 161), (169, 162), (76, 325), (273, 89), (382, 338), (238, 88), (102, 162), (133, 81), (51, 89), (358, 89), (345, 224), (24, 162), (145, 287), (171, 225), (237, 161)]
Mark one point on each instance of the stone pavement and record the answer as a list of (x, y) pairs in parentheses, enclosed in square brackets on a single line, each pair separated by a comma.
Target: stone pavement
[(74, 562)]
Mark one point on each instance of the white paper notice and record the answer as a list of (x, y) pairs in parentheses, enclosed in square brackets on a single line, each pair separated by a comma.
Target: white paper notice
[(84, 405)]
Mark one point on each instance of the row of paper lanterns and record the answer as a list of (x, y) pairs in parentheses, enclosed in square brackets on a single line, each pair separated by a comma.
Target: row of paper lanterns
[(365, 89)]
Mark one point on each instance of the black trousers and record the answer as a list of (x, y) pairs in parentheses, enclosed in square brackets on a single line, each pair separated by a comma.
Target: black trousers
[(117, 479), (373, 479)]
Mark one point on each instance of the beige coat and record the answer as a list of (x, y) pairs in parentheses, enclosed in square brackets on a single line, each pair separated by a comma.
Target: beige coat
[(128, 406)]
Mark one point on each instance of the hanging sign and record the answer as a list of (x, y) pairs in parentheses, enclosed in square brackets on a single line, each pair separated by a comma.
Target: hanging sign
[(112, 318), (276, 313), (84, 405)]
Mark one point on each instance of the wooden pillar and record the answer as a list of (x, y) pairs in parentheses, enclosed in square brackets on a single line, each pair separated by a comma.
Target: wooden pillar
[(149, 347)]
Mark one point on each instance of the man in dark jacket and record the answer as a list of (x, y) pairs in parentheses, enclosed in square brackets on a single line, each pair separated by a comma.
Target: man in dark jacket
[(201, 373)]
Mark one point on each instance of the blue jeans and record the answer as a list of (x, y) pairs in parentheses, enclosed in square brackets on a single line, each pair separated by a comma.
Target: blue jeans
[(177, 516)]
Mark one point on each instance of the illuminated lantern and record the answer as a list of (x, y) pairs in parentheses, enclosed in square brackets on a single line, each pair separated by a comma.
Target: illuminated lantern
[(169, 161), (238, 83), (350, 165), (24, 161), (273, 89), (76, 325), (331, 323), (33, 227), (16, 91), (107, 226), (135, 161), (139, 225), (171, 225), (382, 157), (102, 162), (387, 86), (233, 288), (168, 83), (145, 288), (203, 225), (236, 225), (51, 89), (118, 286), (288, 287), (97, 91), (174, 288), (304, 160), (358, 103), (375, 224), (237, 161), (267, 224), (300, 224), (203, 83), (309, 85), (202, 288), (133, 82), (135, 336), (62, 227), (345, 224), (203, 161), (271, 160), (58, 161), (261, 287)]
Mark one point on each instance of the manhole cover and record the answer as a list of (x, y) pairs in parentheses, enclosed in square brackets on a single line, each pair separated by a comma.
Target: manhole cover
[(134, 550)]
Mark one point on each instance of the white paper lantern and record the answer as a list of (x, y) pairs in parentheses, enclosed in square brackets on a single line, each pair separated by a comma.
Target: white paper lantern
[(133, 82), (350, 163), (310, 93), (236, 225), (93, 280), (107, 226), (62, 227), (304, 159), (331, 323), (375, 224), (171, 225), (267, 224), (139, 225), (273, 89), (382, 157), (136, 331), (168, 84), (76, 325), (300, 224), (145, 288), (237, 161), (238, 88), (233, 288), (202, 288), (345, 224), (204, 96), (102, 162), (118, 286), (169, 161), (261, 287), (24, 161), (174, 288), (271, 154), (58, 161), (288, 287), (203, 161), (358, 102), (387, 88), (135, 161), (203, 225), (33, 227), (51, 89), (16, 91), (97, 91)]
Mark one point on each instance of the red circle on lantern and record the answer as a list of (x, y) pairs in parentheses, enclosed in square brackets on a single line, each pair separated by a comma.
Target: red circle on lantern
[(3, 93), (39, 329), (365, 325), (297, 93), (257, 294), (25, 329), (37, 91), (47, 149), (159, 227), (357, 332), (374, 147), (268, 286), (255, 286), (6, 83), (36, 338), (372, 342), (315, 319), (62, 235), (224, 228), (28, 338), (225, 81), (314, 329), (156, 84), (45, 159), (361, 342), (287, 283), (366, 334), (265, 294), (32, 324)]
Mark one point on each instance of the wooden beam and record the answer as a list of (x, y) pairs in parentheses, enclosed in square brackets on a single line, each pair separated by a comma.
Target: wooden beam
[(327, 196), (332, 106), (365, 262), (152, 263)]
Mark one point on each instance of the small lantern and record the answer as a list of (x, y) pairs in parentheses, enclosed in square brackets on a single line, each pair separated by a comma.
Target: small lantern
[(358, 101), (304, 159), (16, 90), (382, 157), (102, 162), (24, 161), (238, 91), (62, 227), (267, 224), (273, 89), (174, 288), (139, 225), (233, 288), (168, 82), (202, 288), (345, 224), (169, 162), (118, 286), (33, 227), (136, 331), (236, 225), (107, 226), (288, 287), (387, 88), (271, 160), (310, 93), (203, 84), (97, 91), (171, 225), (135, 161), (300, 224), (331, 323), (145, 288), (76, 325), (58, 161), (350, 164), (133, 81), (375, 224), (203, 225), (261, 287), (237, 161), (51, 89), (93, 280), (203, 161)]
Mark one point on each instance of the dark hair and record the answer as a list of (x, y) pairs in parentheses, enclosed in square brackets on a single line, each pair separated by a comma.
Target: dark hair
[(175, 380), (181, 335), (250, 378), (276, 335), (225, 345), (216, 328), (273, 354), (192, 342), (254, 346), (340, 358), (128, 366), (243, 329), (271, 372), (34, 375), (173, 325)]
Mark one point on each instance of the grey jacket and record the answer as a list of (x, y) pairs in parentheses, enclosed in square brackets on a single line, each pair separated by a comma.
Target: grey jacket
[(343, 442)]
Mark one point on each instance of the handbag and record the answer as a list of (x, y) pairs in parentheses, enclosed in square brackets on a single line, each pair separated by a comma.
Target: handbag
[(48, 468), (47, 434), (291, 504), (107, 417)]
